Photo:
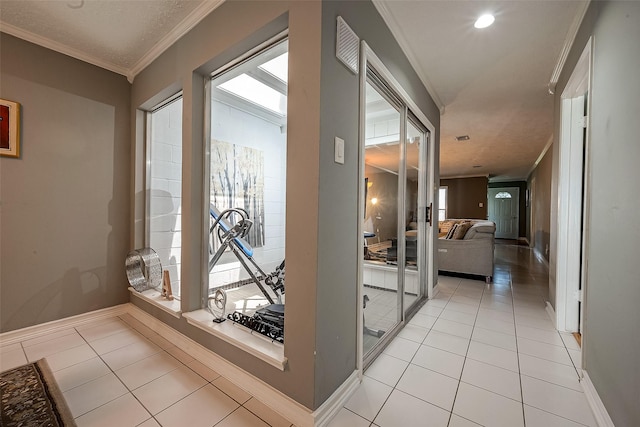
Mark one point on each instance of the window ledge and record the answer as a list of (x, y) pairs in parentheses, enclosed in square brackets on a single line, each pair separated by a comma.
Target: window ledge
[(154, 297), (253, 343)]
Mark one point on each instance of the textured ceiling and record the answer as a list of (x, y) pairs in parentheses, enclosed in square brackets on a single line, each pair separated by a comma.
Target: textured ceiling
[(491, 84), (118, 33)]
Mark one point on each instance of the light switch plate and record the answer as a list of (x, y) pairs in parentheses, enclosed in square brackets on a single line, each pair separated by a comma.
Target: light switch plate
[(339, 150)]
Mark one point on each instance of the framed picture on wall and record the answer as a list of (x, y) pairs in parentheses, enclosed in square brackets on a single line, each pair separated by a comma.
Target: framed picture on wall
[(9, 128)]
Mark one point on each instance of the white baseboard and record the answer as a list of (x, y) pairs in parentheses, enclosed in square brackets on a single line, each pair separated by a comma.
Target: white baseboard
[(284, 405), (36, 331), (325, 413), (541, 258), (552, 314), (595, 403)]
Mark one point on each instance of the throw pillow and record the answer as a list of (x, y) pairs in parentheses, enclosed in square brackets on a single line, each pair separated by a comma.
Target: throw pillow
[(461, 230), (451, 231), (445, 226)]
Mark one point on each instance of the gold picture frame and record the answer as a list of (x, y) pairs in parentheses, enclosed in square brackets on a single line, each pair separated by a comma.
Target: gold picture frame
[(9, 128)]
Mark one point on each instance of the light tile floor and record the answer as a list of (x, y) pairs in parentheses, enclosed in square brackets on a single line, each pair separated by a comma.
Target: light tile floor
[(118, 372), (473, 355), (477, 355)]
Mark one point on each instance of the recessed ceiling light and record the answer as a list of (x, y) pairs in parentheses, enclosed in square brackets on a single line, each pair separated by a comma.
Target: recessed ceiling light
[(484, 21), (462, 138)]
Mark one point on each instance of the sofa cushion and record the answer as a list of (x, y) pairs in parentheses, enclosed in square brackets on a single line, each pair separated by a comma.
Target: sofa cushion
[(461, 230), (486, 227)]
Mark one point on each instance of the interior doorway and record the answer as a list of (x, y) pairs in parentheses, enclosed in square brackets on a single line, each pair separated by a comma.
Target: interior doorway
[(532, 213), (504, 211), (572, 197)]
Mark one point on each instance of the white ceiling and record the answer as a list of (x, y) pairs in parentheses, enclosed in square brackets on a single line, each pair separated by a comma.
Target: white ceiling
[(123, 36), (490, 84)]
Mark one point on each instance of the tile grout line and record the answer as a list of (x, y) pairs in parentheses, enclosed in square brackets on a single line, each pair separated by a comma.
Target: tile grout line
[(515, 327), (167, 373), (464, 362), (129, 391), (195, 391), (468, 347), (114, 374)]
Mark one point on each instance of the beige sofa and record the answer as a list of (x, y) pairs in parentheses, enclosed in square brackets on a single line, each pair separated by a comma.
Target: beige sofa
[(470, 250)]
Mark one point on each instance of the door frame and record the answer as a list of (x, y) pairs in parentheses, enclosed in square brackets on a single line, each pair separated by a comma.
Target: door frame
[(532, 213), (573, 200), (367, 56)]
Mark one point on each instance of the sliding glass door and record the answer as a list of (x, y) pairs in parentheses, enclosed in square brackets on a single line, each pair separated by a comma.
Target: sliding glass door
[(382, 157), (394, 222), (415, 213)]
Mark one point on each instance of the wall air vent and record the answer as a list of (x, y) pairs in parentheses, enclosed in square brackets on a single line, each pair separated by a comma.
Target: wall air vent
[(347, 46), (462, 138)]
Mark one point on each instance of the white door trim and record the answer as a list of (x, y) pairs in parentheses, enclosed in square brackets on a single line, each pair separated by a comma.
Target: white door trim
[(572, 209)]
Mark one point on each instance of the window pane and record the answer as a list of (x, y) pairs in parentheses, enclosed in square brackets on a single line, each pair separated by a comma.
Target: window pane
[(278, 66), (256, 92), (165, 188), (248, 147), (442, 210), (503, 195)]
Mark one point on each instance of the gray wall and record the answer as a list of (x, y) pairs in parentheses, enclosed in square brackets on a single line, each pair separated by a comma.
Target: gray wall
[(540, 206), (464, 195), (321, 242), (611, 340), (232, 30), (65, 202), (338, 243)]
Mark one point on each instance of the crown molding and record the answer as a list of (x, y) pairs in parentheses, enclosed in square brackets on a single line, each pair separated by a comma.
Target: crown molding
[(465, 176), (197, 15), (568, 44), (190, 21), (396, 30), (541, 156), (61, 48)]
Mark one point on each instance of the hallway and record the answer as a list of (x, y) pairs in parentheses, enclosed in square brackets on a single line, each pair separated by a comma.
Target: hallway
[(473, 355), (477, 355)]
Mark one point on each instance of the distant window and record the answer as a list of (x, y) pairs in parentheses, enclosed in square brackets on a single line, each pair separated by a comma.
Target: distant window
[(442, 210), (503, 195)]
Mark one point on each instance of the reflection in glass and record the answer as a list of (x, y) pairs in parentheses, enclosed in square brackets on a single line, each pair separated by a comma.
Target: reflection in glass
[(412, 290), (380, 269)]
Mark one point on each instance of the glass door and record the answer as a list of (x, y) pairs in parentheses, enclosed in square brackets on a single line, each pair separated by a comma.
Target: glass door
[(394, 273), (382, 155), (415, 213)]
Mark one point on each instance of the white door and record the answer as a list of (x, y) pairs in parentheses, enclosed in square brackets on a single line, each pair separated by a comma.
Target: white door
[(503, 210)]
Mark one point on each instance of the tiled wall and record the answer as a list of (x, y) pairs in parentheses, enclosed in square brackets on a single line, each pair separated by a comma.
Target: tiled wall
[(166, 188), (237, 127)]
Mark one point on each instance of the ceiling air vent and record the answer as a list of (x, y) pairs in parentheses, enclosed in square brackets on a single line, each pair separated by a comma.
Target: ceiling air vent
[(347, 46), (462, 138)]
